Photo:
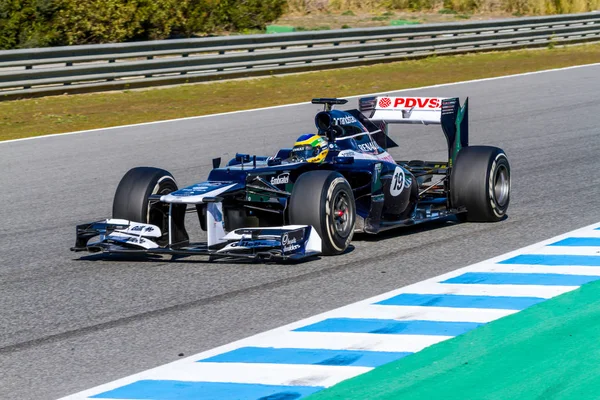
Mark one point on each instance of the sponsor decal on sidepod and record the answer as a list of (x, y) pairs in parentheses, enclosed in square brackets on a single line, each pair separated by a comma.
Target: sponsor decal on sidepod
[(281, 179)]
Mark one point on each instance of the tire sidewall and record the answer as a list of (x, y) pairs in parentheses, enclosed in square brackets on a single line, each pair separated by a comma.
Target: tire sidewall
[(312, 204), (472, 183), (499, 161)]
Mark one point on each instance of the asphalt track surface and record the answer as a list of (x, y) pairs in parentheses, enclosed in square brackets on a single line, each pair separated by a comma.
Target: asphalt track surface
[(68, 324)]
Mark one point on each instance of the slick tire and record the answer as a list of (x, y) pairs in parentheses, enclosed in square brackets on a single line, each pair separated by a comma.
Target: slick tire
[(324, 200), (131, 198), (480, 181)]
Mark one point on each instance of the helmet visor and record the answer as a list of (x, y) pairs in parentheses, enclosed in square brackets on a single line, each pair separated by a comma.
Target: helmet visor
[(304, 152)]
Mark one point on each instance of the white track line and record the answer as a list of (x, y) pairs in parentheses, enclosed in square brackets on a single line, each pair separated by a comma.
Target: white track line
[(344, 341), (546, 269), (302, 103), (568, 250), (422, 313), (266, 374), (472, 289)]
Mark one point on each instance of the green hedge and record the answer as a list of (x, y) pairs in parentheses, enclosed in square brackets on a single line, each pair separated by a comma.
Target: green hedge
[(39, 23)]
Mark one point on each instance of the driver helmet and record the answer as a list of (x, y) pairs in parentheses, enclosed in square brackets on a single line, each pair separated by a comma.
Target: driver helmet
[(310, 147)]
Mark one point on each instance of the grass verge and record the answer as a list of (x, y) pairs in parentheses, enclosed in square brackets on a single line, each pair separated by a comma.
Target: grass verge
[(548, 351), (58, 114)]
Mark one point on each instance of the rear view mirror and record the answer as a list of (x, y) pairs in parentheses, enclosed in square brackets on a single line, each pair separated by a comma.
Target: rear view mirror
[(242, 158)]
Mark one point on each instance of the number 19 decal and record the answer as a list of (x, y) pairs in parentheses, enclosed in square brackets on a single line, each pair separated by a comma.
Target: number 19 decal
[(397, 184)]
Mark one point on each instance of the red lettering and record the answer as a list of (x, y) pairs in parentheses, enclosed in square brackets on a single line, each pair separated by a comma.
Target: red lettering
[(419, 102), (399, 101), (410, 103)]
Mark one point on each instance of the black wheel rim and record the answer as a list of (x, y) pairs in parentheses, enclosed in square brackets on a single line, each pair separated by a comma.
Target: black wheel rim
[(166, 190), (501, 185), (342, 217)]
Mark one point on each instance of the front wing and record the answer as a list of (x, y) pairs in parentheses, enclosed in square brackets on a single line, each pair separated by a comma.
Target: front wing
[(115, 236)]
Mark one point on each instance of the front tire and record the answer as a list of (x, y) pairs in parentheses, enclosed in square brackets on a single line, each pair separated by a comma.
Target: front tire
[(131, 202), (480, 181), (324, 200), (131, 197)]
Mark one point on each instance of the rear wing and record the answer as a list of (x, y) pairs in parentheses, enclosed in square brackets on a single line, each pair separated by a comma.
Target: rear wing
[(407, 110), (422, 110)]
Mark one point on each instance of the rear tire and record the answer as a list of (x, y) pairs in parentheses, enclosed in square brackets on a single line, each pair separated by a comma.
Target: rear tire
[(324, 200), (480, 181), (131, 197)]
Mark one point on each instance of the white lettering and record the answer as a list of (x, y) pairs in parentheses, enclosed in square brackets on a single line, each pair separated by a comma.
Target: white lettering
[(285, 239), (290, 248), (349, 119), (367, 147), (281, 179)]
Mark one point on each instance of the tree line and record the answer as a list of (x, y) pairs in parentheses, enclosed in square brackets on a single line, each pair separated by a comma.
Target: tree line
[(41, 23)]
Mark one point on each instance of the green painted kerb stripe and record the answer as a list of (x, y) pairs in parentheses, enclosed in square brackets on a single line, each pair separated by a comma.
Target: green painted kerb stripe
[(548, 351)]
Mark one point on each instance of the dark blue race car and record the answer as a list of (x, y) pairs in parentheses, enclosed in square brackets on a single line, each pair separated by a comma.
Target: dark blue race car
[(310, 199)]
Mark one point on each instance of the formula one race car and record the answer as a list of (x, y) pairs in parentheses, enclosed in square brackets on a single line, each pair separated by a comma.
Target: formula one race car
[(310, 199)]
